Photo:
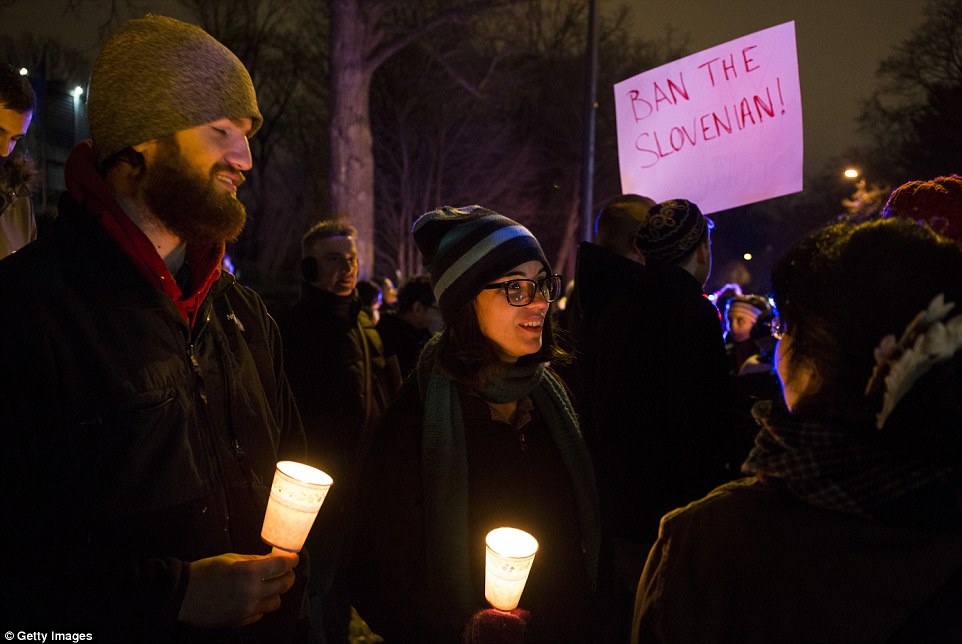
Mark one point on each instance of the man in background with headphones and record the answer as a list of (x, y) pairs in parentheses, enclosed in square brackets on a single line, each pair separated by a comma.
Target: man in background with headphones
[(334, 359)]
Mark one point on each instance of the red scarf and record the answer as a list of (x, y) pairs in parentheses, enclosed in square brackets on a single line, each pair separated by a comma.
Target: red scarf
[(87, 188)]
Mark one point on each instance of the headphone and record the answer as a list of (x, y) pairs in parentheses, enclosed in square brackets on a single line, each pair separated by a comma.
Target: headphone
[(761, 333), (309, 269)]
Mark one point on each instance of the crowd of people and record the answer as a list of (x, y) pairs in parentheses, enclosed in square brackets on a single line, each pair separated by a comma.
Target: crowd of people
[(784, 468)]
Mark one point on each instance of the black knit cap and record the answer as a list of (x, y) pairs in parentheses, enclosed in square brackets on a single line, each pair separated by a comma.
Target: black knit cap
[(467, 248), (671, 231)]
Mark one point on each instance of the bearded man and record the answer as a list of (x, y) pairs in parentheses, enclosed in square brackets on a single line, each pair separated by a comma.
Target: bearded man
[(143, 401)]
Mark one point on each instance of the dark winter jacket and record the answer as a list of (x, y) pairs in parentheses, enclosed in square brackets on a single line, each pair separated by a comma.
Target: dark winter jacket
[(601, 277), (403, 340), (131, 444), (516, 478), (342, 383), (338, 373), (663, 414), (751, 563)]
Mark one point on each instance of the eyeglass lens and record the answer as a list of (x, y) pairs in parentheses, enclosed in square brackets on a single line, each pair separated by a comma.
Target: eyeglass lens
[(523, 292)]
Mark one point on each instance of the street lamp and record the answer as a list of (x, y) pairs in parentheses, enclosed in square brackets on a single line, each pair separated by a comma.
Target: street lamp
[(76, 93), (851, 173)]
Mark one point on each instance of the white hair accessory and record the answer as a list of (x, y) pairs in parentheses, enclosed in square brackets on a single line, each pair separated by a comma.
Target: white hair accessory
[(926, 342)]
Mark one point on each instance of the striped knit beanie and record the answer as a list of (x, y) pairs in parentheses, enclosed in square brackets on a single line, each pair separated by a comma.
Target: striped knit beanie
[(465, 249), (671, 231), (156, 76), (751, 305)]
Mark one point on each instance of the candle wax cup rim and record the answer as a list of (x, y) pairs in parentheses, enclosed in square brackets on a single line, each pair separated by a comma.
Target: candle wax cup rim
[(305, 474)]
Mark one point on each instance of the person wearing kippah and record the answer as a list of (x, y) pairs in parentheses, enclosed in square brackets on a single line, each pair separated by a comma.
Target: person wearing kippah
[(482, 435), (662, 409), (848, 524), (143, 398)]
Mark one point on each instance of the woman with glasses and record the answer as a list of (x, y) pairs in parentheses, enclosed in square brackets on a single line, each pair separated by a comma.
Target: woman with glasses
[(850, 527), (481, 436)]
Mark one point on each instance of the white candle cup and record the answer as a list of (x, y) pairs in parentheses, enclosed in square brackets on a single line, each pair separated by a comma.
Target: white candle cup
[(509, 554), (297, 493)]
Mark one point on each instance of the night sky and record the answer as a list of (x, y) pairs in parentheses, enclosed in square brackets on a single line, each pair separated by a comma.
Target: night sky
[(840, 44)]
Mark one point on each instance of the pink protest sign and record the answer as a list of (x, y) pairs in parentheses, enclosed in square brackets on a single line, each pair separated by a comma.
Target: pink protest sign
[(721, 128)]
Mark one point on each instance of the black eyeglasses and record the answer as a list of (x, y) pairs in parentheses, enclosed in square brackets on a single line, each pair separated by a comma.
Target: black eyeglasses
[(521, 292)]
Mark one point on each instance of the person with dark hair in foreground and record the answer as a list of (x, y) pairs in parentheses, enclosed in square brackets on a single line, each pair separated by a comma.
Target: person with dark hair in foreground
[(850, 527)]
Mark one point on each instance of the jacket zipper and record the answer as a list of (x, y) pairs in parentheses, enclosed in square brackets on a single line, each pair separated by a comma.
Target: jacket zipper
[(214, 470)]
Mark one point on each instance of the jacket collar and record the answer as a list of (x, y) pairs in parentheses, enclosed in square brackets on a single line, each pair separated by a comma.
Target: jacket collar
[(601, 274)]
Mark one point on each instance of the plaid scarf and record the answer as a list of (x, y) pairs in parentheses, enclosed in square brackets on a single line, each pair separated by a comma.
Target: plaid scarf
[(836, 466)]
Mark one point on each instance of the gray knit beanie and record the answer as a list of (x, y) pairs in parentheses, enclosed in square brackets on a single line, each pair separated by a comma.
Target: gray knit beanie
[(467, 248), (156, 76)]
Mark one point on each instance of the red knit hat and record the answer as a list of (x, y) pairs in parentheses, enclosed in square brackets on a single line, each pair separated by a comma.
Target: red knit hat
[(937, 202)]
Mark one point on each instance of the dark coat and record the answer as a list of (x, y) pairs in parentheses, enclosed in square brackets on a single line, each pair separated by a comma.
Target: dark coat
[(402, 340), (661, 407), (751, 563), (331, 349), (516, 478), (131, 445), (601, 277), (342, 382)]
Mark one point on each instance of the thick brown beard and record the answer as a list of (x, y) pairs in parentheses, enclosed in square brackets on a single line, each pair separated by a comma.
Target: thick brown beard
[(186, 202)]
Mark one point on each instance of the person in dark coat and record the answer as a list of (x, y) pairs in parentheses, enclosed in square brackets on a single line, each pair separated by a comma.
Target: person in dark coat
[(417, 317), (142, 392), (481, 436), (850, 526), (342, 382), (606, 271), (662, 398)]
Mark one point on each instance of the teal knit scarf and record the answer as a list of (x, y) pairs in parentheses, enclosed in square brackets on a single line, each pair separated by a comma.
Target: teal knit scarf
[(445, 465)]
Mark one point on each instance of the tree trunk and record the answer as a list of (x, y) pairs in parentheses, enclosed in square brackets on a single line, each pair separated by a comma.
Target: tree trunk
[(351, 154)]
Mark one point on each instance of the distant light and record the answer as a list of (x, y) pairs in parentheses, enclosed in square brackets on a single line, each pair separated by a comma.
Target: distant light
[(851, 173), (23, 71), (747, 257), (77, 91)]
